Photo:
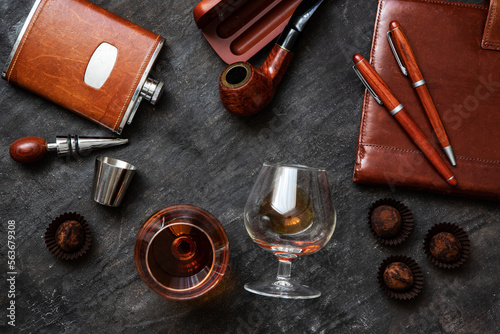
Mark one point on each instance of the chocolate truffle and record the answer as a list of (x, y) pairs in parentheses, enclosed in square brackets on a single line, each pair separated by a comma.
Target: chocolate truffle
[(398, 276), (445, 247), (70, 236), (386, 221)]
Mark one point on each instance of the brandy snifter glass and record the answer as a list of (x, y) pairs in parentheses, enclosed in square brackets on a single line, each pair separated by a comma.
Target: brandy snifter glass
[(289, 213), (181, 252)]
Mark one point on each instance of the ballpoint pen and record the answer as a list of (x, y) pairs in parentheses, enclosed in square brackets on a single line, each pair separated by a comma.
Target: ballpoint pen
[(384, 96), (408, 63)]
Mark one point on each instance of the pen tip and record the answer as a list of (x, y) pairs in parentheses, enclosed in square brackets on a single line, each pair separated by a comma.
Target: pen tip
[(394, 25), (357, 58), (449, 153)]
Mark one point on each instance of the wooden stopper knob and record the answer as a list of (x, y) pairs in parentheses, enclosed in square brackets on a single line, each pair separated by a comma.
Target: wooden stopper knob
[(28, 149)]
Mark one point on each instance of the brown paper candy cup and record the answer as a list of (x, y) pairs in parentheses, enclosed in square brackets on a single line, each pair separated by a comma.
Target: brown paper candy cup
[(406, 221), (51, 242)]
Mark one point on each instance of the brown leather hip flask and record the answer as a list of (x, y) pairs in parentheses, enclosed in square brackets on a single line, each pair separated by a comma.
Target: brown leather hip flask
[(87, 60)]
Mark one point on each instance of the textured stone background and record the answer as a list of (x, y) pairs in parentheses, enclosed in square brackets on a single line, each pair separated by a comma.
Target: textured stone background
[(189, 150)]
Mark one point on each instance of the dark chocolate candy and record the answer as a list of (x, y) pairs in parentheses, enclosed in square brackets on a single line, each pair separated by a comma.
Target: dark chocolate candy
[(398, 276), (70, 236), (445, 247), (386, 221)]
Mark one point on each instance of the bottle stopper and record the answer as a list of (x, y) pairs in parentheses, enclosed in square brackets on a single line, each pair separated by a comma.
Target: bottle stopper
[(32, 149)]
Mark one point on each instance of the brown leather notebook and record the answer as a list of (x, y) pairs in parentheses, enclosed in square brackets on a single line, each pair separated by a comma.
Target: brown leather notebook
[(454, 44)]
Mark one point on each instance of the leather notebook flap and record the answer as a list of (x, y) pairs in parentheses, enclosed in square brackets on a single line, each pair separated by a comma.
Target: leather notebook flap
[(491, 34)]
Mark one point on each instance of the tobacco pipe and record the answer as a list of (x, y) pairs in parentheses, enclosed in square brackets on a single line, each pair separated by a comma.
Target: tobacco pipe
[(244, 89), (32, 149)]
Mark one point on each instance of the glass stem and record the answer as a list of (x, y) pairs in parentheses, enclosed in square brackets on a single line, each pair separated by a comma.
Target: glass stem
[(284, 270)]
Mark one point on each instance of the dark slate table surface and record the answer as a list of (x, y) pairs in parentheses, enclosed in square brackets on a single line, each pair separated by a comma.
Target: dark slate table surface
[(188, 149)]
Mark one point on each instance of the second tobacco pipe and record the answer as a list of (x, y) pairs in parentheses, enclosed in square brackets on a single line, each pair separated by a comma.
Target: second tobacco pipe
[(244, 89)]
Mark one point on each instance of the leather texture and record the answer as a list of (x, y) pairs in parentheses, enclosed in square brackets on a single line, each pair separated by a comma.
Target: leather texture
[(464, 81), (491, 35), (53, 55)]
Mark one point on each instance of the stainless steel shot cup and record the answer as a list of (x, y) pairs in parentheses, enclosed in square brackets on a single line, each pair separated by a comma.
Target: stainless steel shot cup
[(111, 180)]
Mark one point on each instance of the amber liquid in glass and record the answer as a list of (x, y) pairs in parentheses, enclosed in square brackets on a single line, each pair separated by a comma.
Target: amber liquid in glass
[(180, 256), (293, 221)]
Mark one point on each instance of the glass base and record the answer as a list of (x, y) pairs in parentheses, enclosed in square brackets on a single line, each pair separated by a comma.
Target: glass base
[(289, 289)]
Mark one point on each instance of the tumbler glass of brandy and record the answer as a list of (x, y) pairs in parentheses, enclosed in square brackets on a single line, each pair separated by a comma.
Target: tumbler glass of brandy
[(289, 213), (181, 252)]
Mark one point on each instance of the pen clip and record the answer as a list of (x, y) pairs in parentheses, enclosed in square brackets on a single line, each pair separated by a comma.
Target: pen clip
[(365, 83), (400, 63)]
